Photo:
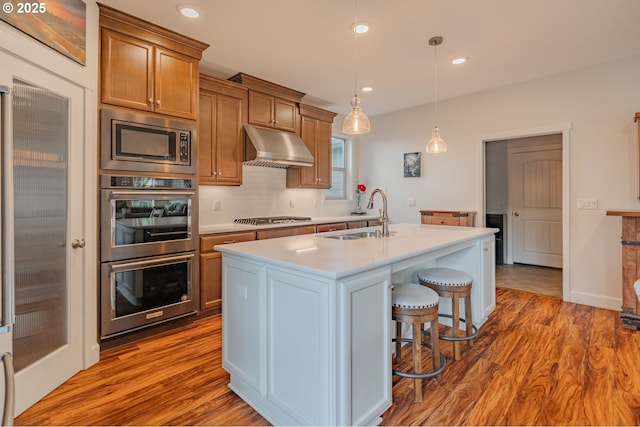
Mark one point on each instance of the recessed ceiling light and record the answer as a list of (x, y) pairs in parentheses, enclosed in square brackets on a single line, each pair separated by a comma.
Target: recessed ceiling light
[(459, 61), (188, 11), (360, 27), (366, 88)]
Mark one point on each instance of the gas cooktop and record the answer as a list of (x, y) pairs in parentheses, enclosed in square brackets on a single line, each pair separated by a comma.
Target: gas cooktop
[(271, 220)]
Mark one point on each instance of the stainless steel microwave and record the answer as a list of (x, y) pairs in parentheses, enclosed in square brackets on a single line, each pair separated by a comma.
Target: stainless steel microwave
[(138, 142)]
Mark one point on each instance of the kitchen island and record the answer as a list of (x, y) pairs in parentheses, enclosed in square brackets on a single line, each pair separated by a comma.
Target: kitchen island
[(307, 319)]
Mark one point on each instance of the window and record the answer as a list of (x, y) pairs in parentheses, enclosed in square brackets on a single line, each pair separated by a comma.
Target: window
[(338, 170)]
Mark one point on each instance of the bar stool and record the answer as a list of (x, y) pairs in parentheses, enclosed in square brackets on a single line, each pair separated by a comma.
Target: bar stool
[(454, 284), (417, 305)]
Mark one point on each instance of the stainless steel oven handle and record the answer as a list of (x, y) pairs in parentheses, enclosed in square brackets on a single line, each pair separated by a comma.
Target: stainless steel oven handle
[(128, 265), (150, 192), (167, 233)]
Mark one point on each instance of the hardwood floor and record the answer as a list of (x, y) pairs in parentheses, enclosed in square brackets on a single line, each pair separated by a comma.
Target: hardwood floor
[(537, 361), (530, 278)]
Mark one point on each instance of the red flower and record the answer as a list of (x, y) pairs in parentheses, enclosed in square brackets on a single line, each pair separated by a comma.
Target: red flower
[(361, 188)]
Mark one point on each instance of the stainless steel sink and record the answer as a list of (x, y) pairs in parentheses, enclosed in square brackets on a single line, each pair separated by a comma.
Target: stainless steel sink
[(355, 236), (343, 237)]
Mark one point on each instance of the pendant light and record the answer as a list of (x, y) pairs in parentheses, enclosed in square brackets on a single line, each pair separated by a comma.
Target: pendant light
[(436, 144), (356, 122)]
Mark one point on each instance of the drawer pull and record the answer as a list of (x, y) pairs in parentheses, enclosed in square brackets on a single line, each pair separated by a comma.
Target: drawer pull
[(226, 242)]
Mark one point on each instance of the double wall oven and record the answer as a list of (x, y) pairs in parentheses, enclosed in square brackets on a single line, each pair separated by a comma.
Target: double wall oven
[(148, 223)]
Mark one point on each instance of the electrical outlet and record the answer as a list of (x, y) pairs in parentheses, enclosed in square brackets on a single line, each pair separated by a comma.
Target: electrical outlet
[(291, 204), (241, 291), (216, 205), (315, 203), (411, 203)]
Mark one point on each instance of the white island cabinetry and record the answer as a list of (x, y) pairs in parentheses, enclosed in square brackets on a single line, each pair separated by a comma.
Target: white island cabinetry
[(307, 319)]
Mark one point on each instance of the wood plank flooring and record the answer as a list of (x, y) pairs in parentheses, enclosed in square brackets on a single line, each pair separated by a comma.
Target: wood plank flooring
[(537, 361), (530, 278)]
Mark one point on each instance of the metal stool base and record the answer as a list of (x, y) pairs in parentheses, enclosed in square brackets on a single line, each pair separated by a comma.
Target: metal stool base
[(413, 375), (448, 338)]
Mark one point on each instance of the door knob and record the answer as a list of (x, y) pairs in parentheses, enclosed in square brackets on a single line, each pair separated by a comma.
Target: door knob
[(78, 243), (516, 213)]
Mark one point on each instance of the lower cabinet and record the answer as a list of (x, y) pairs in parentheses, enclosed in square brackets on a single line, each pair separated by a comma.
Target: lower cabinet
[(304, 349), (286, 231), (211, 268), (357, 224), (321, 228)]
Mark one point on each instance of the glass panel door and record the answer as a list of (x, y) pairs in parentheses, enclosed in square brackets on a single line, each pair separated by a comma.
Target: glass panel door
[(40, 137)]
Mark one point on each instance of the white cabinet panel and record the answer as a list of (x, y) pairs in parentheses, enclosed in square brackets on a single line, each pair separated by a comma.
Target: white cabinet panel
[(243, 304), (365, 310), (298, 346)]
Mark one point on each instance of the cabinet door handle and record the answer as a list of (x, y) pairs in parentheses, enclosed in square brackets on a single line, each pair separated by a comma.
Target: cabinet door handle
[(158, 101)]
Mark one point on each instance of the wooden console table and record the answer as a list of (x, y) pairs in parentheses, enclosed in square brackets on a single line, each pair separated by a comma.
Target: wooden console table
[(461, 218), (630, 266)]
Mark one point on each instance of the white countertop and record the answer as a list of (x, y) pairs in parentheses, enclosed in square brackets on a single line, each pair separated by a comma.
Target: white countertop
[(337, 258), (231, 227)]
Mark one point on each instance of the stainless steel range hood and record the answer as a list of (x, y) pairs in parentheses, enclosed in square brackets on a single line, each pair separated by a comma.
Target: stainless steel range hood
[(275, 149)]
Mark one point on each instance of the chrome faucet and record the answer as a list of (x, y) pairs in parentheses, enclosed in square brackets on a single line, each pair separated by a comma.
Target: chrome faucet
[(384, 217)]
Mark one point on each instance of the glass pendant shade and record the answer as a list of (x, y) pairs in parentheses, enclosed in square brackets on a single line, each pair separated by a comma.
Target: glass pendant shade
[(356, 122), (436, 144)]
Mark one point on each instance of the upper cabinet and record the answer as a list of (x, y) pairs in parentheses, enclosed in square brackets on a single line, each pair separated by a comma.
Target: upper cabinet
[(223, 110), (270, 111), (146, 67), (271, 105), (315, 131)]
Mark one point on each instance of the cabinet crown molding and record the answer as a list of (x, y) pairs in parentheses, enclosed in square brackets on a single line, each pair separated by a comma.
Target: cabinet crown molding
[(133, 26), (260, 85)]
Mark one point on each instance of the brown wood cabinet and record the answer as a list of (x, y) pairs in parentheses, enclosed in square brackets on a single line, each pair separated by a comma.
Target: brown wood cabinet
[(357, 224), (334, 226), (460, 218), (315, 131), (270, 111), (286, 231), (223, 107), (211, 268), (271, 105), (146, 67)]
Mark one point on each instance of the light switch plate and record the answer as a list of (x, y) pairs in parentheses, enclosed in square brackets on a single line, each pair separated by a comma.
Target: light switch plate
[(588, 204)]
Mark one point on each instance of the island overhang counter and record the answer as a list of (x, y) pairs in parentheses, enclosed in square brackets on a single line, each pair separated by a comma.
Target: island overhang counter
[(307, 319)]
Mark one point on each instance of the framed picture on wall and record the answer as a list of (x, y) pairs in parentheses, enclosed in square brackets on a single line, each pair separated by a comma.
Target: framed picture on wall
[(59, 24), (412, 165)]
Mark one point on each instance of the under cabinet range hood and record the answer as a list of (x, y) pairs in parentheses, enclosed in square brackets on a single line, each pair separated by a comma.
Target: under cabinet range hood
[(275, 149)]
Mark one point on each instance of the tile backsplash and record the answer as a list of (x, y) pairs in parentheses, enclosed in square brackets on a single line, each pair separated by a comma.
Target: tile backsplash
[(264, 193)]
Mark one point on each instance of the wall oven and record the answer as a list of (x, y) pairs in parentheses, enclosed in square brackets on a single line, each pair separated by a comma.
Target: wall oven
[(143, 216), (148, 256), (138, 142)]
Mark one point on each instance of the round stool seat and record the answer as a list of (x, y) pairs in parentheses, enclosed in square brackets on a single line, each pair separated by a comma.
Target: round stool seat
[(444, 277), (413, 296), (454, 284), (417, 305)]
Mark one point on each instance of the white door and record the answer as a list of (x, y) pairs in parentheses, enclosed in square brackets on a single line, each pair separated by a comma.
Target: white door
[(535, 197), (44, 170)]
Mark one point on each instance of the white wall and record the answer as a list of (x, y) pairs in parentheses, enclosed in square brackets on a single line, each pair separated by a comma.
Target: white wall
[(599, 103)]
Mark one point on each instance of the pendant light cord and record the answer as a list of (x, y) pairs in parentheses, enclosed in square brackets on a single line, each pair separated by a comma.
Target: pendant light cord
[(355, 46), (435, 83)]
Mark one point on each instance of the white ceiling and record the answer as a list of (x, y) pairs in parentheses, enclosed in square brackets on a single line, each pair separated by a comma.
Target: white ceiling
[(307, 45)]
